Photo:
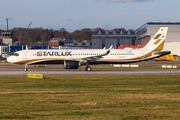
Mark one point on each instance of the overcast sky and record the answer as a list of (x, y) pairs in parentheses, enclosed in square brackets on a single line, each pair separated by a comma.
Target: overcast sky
[(79, 14)]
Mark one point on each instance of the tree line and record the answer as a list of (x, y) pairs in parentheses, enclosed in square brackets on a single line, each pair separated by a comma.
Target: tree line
[(40, 36)]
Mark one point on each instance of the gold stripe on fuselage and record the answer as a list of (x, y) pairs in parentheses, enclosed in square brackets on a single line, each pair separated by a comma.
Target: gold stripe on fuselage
[(158, 49), (37, 60)]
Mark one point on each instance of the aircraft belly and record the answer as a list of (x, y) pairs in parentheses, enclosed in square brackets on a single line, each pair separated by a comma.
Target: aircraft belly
[(49, 62)]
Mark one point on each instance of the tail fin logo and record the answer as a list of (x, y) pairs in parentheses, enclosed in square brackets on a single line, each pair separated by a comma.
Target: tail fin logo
[(157, 41), (157, 36)]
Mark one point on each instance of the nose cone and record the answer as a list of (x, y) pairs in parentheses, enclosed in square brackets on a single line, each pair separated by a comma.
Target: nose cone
[(10, 59)]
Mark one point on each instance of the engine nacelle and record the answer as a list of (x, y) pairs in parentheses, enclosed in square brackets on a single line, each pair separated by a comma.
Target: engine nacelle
[(69, 64)]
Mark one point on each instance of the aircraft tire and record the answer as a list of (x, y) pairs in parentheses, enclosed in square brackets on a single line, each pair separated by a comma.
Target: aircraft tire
[(88, 69)]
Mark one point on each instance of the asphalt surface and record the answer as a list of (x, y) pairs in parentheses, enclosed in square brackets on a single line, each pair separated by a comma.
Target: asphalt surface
[(7, 69), (55, 72)]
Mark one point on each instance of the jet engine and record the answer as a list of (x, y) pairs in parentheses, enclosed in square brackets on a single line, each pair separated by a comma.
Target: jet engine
[(69, 64)]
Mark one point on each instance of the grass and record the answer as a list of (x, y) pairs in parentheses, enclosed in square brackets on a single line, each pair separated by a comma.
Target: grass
[(91, 97), (3, 61)]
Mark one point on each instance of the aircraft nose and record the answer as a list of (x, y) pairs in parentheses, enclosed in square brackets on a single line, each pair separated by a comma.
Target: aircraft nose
[(10, 59)]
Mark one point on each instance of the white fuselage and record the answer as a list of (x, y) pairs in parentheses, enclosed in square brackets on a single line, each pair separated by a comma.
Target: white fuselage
[(115, 55)]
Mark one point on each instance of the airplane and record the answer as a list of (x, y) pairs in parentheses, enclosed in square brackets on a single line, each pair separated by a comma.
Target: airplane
[(72, 59)]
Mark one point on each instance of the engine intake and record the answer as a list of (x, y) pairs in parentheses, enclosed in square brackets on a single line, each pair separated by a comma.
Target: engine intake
[(69, 64)]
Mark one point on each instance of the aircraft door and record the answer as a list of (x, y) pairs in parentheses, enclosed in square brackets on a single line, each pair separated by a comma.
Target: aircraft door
[(25, 54)]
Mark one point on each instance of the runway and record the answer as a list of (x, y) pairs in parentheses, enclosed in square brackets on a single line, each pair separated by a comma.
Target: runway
[(59, 72)]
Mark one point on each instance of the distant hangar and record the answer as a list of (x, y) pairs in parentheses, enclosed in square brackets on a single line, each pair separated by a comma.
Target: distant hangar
[(140, 37)]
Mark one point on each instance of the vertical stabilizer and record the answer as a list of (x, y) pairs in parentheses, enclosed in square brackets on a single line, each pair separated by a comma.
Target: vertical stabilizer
[(157, 41)]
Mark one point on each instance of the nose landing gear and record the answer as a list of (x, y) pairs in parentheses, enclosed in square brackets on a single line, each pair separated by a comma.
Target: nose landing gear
[(25, 69)]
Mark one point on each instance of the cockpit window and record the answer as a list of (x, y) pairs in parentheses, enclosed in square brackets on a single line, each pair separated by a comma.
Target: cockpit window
[(16, 54)]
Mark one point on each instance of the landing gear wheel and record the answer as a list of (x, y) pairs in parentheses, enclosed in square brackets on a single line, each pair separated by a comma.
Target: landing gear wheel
[(88, 69), (25, 69)]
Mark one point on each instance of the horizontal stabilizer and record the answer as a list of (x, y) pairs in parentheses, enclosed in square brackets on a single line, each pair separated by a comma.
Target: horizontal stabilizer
[(162, 53)]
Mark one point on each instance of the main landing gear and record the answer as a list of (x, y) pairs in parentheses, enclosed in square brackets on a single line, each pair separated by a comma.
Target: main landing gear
[(88, 68)]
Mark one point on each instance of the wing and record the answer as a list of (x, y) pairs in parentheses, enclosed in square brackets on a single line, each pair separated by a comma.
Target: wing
[(92, 58)]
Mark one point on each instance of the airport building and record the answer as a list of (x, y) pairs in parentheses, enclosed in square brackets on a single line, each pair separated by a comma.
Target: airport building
[(6, 38), (102, 40), (56, 42)]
